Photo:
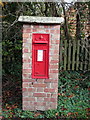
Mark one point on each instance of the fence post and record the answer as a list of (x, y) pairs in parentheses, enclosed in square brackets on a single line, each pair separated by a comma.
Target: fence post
[(65, 54), (74, 50), (69, 54), (77, 57)]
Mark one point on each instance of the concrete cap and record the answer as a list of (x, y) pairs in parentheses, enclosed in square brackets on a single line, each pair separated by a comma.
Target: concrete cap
[(42, 20)]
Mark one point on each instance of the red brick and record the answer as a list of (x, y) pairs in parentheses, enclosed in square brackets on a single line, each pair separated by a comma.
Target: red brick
[(40, 80), (26, 35), (54, 61), (32, 80), (25, 60), (24, 89), (26, 65), (24, 40), (53, 66), (30, 94), (32, 89), (25, 99), (49, 95), (36, 26), (47, 31), (47, 80), (25, 76), (40, 99), (54, 76), (55, 56), (53, 99), (30, 84), (25, 50), (28, 108), (56, 37), (57, 41), (39, 94), (56, 51), (40, 103), (26, 30), (51, 80), (25, 94), (26, 70), (53, 105), (35, 30), (26, 80), (49, 90), (27, 45), (40, 89), (29, 99), (54, 85), (25, 85), (25, 103), (57, 31), (46, 26), (50, 99), (50, 26), (54, 95), (29, 80), (53, 71), (26, 26), (52, 31), (57, 27), (39, 85)]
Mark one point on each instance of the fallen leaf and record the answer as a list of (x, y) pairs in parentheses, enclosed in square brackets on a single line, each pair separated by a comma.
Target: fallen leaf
[(37, 114), (1, 3), (69, 114), (76, 113), (89, 88), (56, 114), (76, 86), (70, 96), (59, 93), (88, 109), (63, 109)]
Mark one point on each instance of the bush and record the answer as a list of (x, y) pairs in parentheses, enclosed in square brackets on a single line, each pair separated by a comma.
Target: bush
[(73, 93), (73, 99)]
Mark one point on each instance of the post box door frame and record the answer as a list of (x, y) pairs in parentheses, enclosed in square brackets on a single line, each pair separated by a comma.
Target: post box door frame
[(47, 43)]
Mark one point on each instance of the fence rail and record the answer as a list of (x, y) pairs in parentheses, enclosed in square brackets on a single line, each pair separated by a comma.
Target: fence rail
[(75, 55)]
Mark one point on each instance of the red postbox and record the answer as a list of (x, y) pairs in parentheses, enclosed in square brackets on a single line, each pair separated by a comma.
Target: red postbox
[(40, 55)]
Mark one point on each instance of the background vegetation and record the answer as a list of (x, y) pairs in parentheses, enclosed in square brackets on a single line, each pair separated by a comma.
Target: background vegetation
[(74, 86)]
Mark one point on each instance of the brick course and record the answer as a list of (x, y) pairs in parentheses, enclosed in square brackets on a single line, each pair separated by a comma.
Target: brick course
[(40, 94)]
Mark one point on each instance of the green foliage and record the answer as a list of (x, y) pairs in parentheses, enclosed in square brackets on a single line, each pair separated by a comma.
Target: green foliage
[(27, 114), (50, 113), (73, 97), (17, 113)]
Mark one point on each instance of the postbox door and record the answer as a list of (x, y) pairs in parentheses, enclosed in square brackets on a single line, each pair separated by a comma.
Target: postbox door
[(40, 56)]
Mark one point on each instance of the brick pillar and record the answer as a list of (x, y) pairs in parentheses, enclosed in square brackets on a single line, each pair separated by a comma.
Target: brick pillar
[(40, 94)]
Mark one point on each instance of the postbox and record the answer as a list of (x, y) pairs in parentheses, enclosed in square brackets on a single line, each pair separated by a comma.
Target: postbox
[(40, 55)]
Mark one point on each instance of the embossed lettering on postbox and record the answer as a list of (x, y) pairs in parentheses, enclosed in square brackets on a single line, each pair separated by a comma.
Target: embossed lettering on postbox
[(40, 55)]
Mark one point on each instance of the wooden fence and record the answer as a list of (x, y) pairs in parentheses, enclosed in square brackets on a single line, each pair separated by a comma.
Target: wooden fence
[(75, 54)]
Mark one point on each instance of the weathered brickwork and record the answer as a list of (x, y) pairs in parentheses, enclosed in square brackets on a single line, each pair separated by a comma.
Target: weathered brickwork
[(40, 94)]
